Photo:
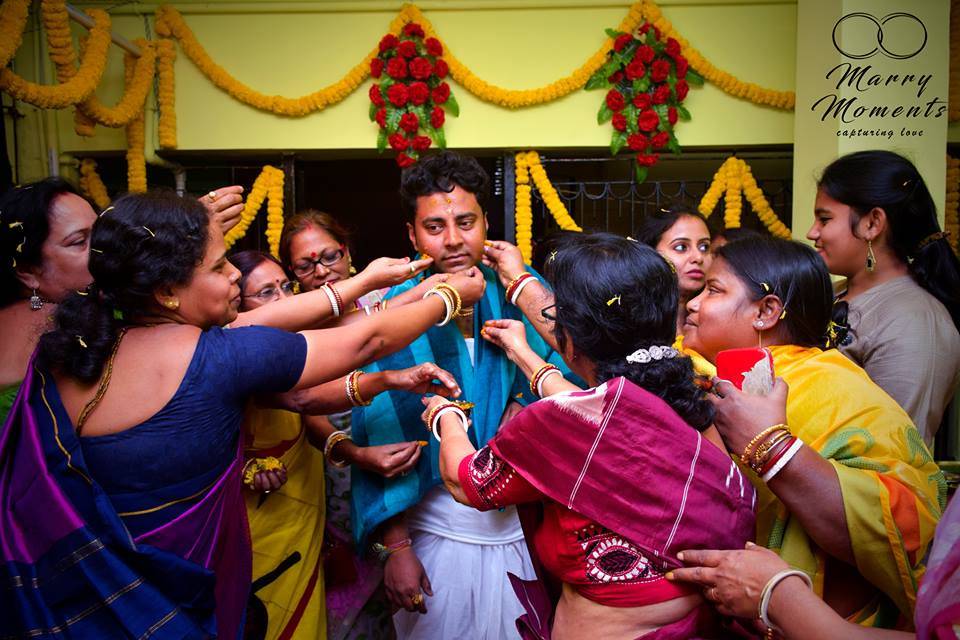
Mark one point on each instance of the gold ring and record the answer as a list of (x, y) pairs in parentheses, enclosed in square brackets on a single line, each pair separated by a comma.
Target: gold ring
[(417, 599), (412, 270), (213, 196)]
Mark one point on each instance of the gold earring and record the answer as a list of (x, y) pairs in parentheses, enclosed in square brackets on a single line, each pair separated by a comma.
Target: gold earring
[(760, 335), (871, 259), (173, 304)]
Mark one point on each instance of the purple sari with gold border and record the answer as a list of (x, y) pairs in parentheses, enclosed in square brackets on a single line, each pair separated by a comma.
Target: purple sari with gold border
[(69, 567)]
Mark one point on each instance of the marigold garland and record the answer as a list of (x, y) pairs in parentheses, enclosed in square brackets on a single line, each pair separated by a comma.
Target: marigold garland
[(951, 208), (734, 179), (134, 96), (91, 185), (136, 137), (528, 166), (56, 24), (78, 87), (13, 20), (268, 185), (166, 95)]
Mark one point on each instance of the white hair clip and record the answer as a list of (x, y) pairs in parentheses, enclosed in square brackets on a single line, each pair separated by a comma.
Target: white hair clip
[(643, 356)]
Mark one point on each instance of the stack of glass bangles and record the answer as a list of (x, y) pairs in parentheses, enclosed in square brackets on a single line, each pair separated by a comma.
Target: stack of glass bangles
[(512, 294), (352, 383), (544, 372), (451, 301), (770, 451), (333, 440), (458, 408), (336, 302)]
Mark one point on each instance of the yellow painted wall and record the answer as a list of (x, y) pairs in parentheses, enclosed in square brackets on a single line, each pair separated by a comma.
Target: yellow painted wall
[(294, 48)]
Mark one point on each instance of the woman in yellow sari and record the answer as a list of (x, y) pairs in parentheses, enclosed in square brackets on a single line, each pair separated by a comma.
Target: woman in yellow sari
[(853, 501)]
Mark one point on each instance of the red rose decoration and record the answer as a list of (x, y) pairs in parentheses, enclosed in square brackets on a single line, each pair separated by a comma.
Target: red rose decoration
[(636, 69), (404, 160), (619, 122), (398, 141), (682, 66), (407, 48), (413, 29), (381, 118), (441, 69), (397, 68), (615, 100), (437, 117), (440, 93), (642, 101), (661, 94), (660, 140), (646, 53), (622, 41), (659, 70), (398, 95), (673, 48), (376, 67), (672, 116), (648, 120), (647, 161), (421, 143), (420, 68), (681, 88), (409, 122), (637, 142), (434, 48), (388, 42), (375, 96), (418, 92)]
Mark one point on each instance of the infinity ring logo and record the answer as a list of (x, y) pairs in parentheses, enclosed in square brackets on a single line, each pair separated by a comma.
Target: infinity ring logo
[(898, 19)]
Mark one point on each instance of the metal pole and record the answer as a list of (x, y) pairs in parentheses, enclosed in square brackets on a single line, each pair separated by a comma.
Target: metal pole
[(83, 19)]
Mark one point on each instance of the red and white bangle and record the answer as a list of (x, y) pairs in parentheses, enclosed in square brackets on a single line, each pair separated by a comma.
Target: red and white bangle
[(783, 459), (451, 408), (333, 297), (536, 382), (516, 285)]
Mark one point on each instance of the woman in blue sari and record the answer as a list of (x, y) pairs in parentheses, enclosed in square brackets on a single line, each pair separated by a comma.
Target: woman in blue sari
[(120, 505)]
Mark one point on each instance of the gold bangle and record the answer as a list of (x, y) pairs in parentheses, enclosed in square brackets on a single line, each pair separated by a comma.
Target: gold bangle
[(355, 382), (767, 446), (454, 297), (745, 456), (333, 440), (536, 377)]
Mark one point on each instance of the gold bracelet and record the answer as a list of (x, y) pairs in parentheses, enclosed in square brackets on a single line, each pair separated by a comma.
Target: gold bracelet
[(454, 297), (767, 446), (745, 456), (433, 414), (355, 383), (333, 440)]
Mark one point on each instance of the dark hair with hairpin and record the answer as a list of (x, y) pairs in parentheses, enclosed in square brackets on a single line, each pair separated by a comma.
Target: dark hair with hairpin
[(882, 179), (24, 227), (145, 242), (440, 174), (656, 224), (614, 296)]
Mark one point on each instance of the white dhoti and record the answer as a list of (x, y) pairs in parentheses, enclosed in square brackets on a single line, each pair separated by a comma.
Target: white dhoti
[(466, 554)]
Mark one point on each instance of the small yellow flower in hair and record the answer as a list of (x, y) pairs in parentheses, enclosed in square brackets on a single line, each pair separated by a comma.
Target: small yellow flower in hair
[(615, 298)]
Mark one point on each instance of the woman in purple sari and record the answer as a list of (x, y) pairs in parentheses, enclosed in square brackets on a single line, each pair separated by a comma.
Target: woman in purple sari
[(120, 505), (614, 480)]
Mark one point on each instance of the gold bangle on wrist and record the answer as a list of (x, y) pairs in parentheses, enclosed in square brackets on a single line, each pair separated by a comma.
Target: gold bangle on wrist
[(745, 456), (454, 297), (768, 445), (333, 440)]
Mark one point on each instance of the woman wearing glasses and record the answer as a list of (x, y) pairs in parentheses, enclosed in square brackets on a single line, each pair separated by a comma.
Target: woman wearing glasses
[(286, 507)]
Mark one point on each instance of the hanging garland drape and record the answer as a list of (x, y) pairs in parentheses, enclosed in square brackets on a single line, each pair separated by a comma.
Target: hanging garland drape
[(733, 180), (528, 166), (269, 186), (91, 185)]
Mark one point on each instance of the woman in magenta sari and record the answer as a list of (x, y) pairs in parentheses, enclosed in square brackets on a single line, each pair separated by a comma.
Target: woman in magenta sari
[(120, 506), (614, 480)]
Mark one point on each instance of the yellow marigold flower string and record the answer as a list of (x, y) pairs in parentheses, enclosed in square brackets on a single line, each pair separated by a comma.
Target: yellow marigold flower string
[(528, 166), (734, 179), (166, 93), (268, 185), (136, 137), (77, 88), (13, 20), (134, 97), (951, 208), (56, 23), (91, 185)]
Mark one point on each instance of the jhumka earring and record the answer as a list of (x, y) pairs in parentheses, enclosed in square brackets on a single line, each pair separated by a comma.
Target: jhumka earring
[(36, 302), (871, 259)]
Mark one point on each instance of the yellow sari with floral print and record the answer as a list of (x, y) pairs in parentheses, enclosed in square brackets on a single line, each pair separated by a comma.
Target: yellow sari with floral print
[(893, 492)]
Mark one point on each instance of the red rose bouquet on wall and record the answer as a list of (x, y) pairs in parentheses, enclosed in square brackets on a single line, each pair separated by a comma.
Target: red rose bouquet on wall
[(411, 95), (647, 79)]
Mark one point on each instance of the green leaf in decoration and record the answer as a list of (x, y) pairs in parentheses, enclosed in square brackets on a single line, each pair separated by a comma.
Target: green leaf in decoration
[(605, 114), (439, 139), (683, 113), (694, 79), (661, 110), (373, 112), (617, 142), (673, 145), (452, 107), (651, 39), (382, 141), (641, 172), (642, 84), (393, 118), (385, 83), (421, 112), (630, 113), (597, 81), (613, 33)]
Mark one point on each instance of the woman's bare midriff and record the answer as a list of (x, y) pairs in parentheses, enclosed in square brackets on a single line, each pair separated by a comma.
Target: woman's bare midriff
[(578, 618)]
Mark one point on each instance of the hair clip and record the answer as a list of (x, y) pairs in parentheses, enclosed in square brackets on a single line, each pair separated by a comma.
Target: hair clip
[(82, 343), (643, 356), (765, 287), (95, 250), (16, 224), (152, 234), (117, 314), (615, 298), (553, 254), (783, 314), (905, 183), (20, 246), (81, 292), (631, 239), (102, 213)]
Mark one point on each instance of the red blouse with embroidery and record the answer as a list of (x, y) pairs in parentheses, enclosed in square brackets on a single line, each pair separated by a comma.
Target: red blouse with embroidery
[(600, 564)]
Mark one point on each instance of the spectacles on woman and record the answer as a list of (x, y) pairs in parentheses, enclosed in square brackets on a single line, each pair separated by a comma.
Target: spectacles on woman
[(308, 266), (274, 292), (548, 314)]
